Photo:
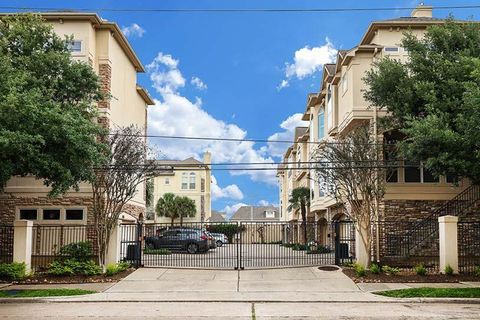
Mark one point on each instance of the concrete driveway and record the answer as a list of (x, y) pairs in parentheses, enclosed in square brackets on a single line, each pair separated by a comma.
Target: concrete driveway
[(266, 285)]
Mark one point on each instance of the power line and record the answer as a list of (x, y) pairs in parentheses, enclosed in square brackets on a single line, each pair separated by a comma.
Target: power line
[(236, 139), (233, 10)]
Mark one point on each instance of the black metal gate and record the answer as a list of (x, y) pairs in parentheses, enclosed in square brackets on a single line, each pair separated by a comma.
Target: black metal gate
[(237, 245)]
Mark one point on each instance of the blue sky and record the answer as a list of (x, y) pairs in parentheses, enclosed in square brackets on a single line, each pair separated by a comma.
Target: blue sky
[(219, 74)]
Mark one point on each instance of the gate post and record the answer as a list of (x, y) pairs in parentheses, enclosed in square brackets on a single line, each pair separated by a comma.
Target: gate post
[(22, 243), (113, 249), (448, 242), (138, 245), (336, 242)]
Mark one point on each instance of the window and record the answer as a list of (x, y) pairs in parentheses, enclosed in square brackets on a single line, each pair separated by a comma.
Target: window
[(75, 46), (329, 107), (321, 124), (28, 214), (416, 172), (192, 180), (452, 178), (51, 214), (74, 214), (412, 171), (269, 214), (391, 49), (344, 83), (184, 181), (167, 180)]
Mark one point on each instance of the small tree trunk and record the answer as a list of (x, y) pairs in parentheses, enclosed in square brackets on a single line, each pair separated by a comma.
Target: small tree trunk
[(173, 219), (181, 220), (304, 223)]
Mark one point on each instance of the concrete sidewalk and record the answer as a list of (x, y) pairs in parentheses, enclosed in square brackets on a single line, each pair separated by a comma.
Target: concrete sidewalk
[(272, 285)]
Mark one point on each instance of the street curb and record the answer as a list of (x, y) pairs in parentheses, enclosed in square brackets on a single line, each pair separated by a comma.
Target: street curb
[(393, 300)]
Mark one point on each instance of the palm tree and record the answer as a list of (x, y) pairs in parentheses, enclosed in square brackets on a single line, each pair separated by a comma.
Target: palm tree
[(300, 199), (186, 208), (167, 206)]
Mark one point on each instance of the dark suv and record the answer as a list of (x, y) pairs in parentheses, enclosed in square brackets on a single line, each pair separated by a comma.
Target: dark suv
[(190, 240)]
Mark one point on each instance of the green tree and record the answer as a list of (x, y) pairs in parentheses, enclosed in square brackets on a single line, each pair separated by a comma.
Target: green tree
[(47, 107), (186, 208), (167, 207), (300, 199), (434, 98)]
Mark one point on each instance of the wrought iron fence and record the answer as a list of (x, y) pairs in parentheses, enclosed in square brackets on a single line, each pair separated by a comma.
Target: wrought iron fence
[(468, 246), (396, 248), (6, 243), (237, 245), (48, 239)]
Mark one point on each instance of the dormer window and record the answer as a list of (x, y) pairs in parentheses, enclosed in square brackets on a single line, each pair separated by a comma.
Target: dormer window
[(269, 214)]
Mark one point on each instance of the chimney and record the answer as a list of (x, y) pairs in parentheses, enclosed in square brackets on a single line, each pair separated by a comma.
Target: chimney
[(207, 157), (422, 11)]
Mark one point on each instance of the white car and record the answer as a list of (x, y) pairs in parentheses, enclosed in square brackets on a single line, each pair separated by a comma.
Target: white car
[(220, 239)]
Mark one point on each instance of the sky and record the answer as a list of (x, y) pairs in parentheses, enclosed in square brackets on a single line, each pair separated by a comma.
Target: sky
[(237, 75)]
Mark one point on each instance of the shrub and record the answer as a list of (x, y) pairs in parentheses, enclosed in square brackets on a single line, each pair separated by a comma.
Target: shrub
[(420, 269), (476, 271), (374, 268), (319, 249), (390, 270), (70, 267), (13, 271), (157, 251), (228, 229), (359, 270), (448, 270), (115, 268), (80, 251)]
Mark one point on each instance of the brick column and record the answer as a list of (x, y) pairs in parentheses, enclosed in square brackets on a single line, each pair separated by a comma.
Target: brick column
[(22, 243), (447, 226)]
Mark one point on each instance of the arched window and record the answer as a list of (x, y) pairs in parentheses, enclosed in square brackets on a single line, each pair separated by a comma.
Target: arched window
[(192, 180)]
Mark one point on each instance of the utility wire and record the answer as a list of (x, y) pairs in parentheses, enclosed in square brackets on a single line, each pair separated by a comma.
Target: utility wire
[(232, 10), (236, 139)]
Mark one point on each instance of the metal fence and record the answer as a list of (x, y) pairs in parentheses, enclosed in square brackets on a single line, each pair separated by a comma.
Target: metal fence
[(399, 245), (48, 239), (237, 245), (6, 244), (468, 246)]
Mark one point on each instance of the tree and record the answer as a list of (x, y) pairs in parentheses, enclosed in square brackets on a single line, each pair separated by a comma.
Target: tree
[(433, 98), (300, 199), (47, 107), (167, 207), (353, 172), (186, 208), (116, 181)]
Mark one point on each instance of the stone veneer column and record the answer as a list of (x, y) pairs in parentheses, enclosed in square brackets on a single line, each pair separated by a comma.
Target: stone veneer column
[(22, 243), (448, 234)]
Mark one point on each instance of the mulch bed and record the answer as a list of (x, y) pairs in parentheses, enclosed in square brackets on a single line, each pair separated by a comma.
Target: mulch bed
[(42, 278), (406, 277)]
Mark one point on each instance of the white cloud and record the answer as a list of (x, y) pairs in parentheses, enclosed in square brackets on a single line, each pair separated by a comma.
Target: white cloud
[(288, 126), (263, 203), (177, 115), (230, 210), (197, 82), (307, 61), (231, 191), (133, 30), (283, 85)]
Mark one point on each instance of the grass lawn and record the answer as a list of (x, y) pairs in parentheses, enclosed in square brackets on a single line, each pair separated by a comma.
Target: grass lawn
[(27, 293), (432, 293)]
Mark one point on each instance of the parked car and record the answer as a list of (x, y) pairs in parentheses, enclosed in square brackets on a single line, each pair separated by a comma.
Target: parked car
[(220, 239), (211, 240), (190, 240)]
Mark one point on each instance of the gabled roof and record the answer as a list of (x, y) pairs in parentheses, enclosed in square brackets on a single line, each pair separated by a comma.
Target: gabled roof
[(188, 161), (254, 213), (217, 216)]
